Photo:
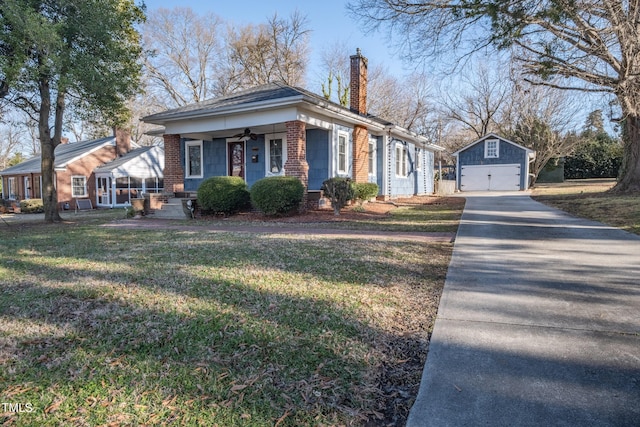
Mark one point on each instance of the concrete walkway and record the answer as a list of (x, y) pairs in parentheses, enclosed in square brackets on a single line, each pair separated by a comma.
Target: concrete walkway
[(539, 322)]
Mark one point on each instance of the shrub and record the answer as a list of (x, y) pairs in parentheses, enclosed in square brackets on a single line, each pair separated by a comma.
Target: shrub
[(31, 206), (223, 195), (364, 191), (339, 191), (277, 195)]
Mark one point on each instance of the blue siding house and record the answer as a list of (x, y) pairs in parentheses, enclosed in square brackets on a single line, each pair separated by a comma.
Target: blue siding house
[(493, 163), (276, 129)]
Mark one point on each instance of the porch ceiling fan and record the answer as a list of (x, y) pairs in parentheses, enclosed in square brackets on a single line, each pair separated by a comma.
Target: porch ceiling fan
[(246, 134)]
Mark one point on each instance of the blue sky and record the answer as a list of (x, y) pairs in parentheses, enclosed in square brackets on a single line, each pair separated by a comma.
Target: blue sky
[(328, 20)]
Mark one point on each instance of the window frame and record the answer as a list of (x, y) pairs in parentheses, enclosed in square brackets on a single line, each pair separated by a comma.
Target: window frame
[(267, 149), (84, 187), (344, 155), (418, 158), (11, 188), (373, 154), (489, 151), (187, 166), (402, 161)]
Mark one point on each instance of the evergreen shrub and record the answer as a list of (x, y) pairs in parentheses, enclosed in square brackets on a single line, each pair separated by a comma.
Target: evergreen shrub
[(364, 191), (277, 195), (223, 195)]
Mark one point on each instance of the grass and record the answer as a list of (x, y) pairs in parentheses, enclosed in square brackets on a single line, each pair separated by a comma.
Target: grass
[(591, 199), (101, 326)]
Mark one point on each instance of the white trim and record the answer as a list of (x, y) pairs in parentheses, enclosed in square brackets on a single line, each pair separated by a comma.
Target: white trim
[(187, 145), (373, 157), (419, 155), (27, 186), (11, 188), (401, 160), (488, 152), (347, 159), (267, 153), (73, 194)]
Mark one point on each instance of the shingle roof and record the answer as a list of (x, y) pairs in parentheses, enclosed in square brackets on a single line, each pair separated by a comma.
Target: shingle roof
[(129, 157), (262, 93), (64, 153), (258, 94)]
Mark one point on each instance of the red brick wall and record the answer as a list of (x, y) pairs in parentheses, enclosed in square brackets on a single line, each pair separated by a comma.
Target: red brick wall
[(173, 169), (296, 164), (358, 104), (360, 154), (82, 167), (358, 84)]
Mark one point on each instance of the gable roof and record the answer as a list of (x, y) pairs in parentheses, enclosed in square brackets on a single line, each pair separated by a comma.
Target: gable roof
[(530, 153), (65, 154), (143, 162)]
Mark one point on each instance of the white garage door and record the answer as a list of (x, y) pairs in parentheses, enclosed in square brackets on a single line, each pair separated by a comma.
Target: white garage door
[(490, 178)]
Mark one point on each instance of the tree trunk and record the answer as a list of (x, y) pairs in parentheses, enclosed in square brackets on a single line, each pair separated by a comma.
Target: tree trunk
[(47, 150), (629, 177)]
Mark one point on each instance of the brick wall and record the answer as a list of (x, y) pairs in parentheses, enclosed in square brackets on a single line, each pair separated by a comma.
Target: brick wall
[(360, 154), (296, 164), (358, 84), (173, 169), (358, 104)]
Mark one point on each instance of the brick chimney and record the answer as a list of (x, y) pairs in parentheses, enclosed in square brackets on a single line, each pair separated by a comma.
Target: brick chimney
[(358, 104), (358, 84), (123, 141)]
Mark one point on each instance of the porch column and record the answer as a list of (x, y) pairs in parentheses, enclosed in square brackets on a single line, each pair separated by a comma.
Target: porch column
[(173, 169), (296, 164)]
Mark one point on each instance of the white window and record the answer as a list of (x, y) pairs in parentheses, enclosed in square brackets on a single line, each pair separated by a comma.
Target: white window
[(491, 148), (11, 188), (418, 159), (27, 187), (343, 139), (402, 160), (78, 186), (193, 159), (276, 154), (372, 157)]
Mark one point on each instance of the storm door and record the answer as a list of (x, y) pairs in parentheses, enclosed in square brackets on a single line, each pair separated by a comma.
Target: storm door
[(236, 159), (104, 191)]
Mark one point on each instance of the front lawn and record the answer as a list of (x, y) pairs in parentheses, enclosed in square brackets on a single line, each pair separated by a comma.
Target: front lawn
[(101, 326)]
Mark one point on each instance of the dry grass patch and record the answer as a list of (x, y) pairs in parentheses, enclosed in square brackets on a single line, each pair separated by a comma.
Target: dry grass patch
[(591, 199)]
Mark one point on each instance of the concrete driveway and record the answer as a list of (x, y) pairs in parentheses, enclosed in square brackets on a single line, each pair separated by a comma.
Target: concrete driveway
[(539, 322)]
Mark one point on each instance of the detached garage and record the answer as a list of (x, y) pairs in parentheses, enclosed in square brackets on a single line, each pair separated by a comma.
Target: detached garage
[(493, 163)]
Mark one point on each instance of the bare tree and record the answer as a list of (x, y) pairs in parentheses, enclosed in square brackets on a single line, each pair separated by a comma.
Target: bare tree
[(334, 73), (542, 118), (11, 141), (403, 101), (277, 51), (479, 99), (590, 45), (183, 55)]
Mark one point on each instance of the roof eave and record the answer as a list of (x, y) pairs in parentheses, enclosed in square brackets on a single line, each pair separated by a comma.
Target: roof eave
[(162, 118)]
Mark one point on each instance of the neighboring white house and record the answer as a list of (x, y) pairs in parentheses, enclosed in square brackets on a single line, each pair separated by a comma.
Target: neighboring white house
[(128, 177)]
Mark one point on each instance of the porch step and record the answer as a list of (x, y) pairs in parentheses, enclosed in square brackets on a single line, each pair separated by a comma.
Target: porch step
[(171, 210)]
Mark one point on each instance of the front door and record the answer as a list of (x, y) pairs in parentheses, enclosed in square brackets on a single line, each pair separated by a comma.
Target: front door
[(236, 159)]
